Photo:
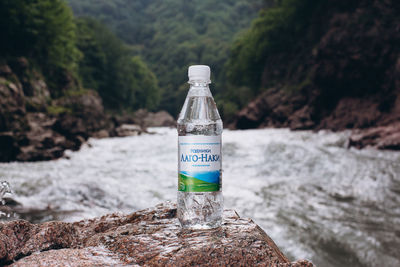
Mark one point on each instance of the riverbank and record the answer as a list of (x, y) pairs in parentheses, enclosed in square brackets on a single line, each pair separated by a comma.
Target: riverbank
[(372, 123)]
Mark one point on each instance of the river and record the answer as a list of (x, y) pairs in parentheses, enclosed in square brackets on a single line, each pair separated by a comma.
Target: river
[(316, 198)]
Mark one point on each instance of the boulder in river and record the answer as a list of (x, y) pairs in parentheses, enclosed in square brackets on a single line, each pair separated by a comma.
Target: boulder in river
[(128, 130), (145, 118), (150, 237), (159, 119)]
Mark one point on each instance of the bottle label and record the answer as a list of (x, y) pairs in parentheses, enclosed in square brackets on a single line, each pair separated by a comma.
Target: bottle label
[(199, 163)]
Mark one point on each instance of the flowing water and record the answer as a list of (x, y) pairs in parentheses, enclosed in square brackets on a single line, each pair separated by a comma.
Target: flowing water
[(315, 198)]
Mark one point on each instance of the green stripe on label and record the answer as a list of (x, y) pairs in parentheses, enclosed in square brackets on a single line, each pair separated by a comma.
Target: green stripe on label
[(191, 184)]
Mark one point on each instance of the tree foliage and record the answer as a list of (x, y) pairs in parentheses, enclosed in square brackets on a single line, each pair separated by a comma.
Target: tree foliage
[(108, 66), (278, 35), (170, 35), (45, 32), (279, 29), (42, 30)]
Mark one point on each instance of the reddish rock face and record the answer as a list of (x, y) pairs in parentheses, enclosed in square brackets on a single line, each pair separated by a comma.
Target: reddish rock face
[(149, 237)]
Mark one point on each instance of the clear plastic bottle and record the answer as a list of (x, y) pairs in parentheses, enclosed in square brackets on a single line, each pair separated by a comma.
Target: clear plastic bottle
[(200, 200)]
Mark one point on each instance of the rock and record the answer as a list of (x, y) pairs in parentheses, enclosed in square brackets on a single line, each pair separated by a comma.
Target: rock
[(70, 126), (40, 97), (12, 104), (351, 112), (5, 70), (40, 142), (9, 149), (47, 136), (37, 94), (124, 118), (144, 118), (301, 119), (150, 237), (159, 119), (140, 117), (253, 114), (86, 114), (137, 123), (373, 127), (383, 137), (275, 108), (13, 120), (101, 134), (128, 130), (19, 65), (10, 202), (32, 128)]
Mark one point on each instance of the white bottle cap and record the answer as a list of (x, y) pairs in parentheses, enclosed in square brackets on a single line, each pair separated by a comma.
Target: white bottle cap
[(199, 72)]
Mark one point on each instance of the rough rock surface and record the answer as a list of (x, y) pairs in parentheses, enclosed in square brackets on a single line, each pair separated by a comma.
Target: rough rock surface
[(149, 237), (44, 136), (382, 137), (371, 126), (35, 126)]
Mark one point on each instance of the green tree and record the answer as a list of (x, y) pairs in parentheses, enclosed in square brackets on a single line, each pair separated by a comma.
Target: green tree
[(170, 35), (281, 33), (108, 66), (42, 30), (278, 30)]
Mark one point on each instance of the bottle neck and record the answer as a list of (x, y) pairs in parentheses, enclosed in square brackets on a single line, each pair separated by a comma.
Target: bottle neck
[(199, 83), (199, 88)]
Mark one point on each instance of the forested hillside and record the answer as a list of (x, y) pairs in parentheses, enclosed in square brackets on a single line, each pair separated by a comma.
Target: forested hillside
[(49, 62), (170, 35), (109, 66), (47, 34), (42, 31)]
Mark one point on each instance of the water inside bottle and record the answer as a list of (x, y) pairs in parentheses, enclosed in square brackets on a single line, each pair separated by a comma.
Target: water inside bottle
[(199, 116)]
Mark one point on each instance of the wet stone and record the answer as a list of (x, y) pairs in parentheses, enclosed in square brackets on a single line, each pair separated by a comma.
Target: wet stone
[(150, 237)]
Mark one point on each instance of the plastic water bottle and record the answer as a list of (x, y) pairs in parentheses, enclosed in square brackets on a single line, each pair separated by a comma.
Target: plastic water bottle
[(200, 201)]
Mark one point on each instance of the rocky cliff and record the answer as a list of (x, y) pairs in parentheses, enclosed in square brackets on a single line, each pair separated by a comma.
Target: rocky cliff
[(149, 237), (40, 123), (34, 125), (343, 73)]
